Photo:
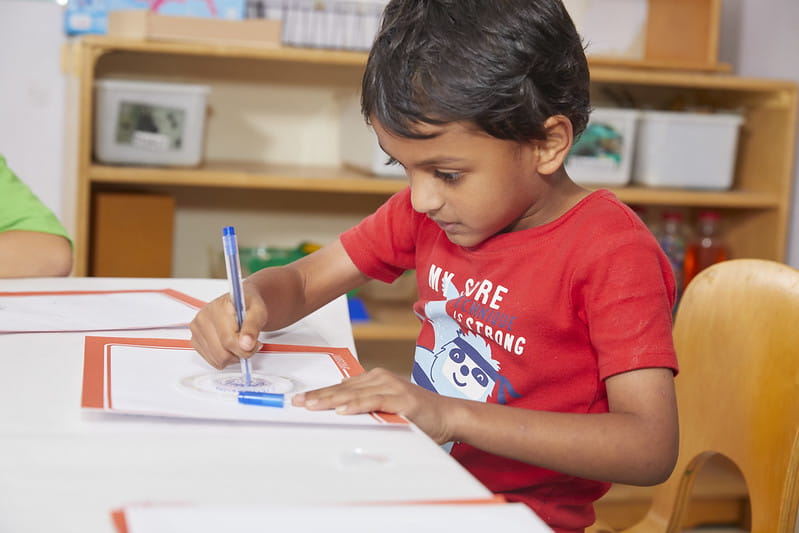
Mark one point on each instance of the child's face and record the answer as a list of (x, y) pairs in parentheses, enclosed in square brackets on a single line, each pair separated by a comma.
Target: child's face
[(471, 184)]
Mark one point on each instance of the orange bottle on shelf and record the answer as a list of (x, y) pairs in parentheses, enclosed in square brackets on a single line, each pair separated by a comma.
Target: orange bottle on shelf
[(706, 248)]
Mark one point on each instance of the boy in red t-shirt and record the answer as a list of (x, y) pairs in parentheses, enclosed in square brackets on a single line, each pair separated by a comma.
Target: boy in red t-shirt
[(545, 362)]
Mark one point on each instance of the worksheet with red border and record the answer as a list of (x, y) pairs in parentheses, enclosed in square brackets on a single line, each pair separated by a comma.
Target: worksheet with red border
[(60, 311), (152, 377), (467, 516)]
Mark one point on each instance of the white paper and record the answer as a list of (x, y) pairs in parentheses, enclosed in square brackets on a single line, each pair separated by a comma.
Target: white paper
[(463, 518), (92, 311), (149, 379)]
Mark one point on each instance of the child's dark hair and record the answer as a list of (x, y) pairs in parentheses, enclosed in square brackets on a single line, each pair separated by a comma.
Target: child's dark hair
[(505, 65)]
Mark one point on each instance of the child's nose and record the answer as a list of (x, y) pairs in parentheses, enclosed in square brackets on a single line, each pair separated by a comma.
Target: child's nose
[(425, 196)]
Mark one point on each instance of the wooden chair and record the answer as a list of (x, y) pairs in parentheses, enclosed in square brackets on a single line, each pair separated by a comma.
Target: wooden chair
[(737, 340)]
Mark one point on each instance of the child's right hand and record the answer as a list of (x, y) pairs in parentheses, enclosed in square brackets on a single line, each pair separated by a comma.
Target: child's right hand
[(215, 333)]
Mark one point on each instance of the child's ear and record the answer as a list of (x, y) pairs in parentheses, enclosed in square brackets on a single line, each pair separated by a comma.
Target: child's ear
[(553, 150)]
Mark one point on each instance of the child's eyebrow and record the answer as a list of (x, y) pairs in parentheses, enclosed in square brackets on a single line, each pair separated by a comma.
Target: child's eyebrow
[(434, 161), (440, 161)]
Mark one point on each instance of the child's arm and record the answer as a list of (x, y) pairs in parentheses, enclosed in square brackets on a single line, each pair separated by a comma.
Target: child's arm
[(635, 443), (33, 254), (274, 298)]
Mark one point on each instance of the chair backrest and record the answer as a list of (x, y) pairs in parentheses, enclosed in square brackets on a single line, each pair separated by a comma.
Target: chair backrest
[(737, 338)]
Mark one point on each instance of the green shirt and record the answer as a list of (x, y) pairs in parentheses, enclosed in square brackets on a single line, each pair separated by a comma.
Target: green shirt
[(20, 209)]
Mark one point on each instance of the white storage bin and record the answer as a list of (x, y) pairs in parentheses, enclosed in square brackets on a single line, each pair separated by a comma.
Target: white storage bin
[(358, 144), (145, 123), (337, 24), (603, 153), (686, 150)]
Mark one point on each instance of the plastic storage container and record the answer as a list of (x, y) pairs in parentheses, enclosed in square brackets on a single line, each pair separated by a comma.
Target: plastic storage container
[(146, 123), (603, 153), (337, 24), (359, 147), (687, 150)]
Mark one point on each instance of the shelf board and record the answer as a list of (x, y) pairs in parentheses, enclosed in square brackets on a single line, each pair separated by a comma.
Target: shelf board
[(633, 75), (599, 61), (309, 178), (244, 175), (696, 198), (325, 56), (389, 321), (104, 43)]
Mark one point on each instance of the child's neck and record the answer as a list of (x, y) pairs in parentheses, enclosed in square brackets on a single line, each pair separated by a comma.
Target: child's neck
[(563, 194)]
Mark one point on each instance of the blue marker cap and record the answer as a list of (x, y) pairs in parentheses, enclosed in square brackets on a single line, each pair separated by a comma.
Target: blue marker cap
[(266, 399)]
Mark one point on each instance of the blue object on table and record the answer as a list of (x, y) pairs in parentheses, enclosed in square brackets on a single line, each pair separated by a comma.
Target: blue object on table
[(233, 267), (265, 399)]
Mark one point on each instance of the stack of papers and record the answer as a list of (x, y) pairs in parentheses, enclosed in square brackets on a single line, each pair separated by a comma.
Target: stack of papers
[(36, 312)]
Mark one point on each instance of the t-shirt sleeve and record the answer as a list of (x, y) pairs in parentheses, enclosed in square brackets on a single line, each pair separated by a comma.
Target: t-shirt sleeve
[(21, 209), (628, 297), (383, 245)]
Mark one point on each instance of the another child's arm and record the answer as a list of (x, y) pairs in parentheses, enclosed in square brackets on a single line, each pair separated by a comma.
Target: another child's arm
[(34, 254), (33, 242), (274, 298), (635, 443)]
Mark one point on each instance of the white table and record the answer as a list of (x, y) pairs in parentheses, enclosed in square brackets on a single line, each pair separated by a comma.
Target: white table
[(62, 469)]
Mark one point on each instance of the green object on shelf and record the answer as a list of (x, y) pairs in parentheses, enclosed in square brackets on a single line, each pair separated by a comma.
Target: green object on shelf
[(255, 258)]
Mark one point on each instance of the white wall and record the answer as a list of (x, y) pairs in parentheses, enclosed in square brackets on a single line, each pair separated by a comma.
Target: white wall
[(759, 38), (32, 96)]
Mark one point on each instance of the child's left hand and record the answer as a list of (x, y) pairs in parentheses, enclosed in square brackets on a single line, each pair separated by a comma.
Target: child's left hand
[(381, 390)]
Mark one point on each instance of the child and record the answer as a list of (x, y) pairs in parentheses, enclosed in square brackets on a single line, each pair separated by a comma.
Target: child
[(32, 240), (545, 361)]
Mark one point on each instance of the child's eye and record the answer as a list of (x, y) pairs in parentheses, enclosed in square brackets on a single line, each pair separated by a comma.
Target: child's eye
[(448, 176), (391, 161)]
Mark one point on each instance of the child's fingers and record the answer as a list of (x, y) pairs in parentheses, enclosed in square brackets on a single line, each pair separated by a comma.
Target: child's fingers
[(241, 343), (216, 354), (380, 390), (377, 390), (320, 399), (370, 403), (254, 321), (210, 347), (344, 402), (214, 333), (330, 397)]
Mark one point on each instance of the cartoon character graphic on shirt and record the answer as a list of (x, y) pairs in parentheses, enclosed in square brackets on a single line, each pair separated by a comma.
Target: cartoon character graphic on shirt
[(459, 364)]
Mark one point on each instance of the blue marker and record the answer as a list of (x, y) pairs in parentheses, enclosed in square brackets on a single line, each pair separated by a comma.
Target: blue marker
[(233, 267), (266, 399)]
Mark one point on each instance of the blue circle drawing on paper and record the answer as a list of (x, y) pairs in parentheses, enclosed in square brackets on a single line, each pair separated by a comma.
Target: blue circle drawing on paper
[(226, 384)]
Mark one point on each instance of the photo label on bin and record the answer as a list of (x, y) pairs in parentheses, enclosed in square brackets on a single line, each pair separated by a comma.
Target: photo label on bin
[(150, 127)]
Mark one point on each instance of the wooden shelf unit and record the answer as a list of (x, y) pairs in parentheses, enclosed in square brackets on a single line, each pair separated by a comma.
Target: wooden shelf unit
[(755, 211)]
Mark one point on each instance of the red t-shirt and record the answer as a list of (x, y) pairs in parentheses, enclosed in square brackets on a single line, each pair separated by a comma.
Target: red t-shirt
[(535, 319)]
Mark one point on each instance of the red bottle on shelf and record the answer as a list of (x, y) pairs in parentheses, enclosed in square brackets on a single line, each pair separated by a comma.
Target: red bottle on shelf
[(706, 248)]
